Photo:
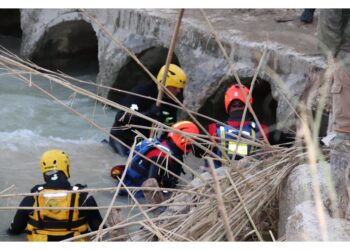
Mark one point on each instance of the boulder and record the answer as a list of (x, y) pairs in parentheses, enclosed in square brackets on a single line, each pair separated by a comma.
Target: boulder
[(304, 225), (298, 188)]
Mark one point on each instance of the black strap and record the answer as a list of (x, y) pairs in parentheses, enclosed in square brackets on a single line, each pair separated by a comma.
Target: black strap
[(70, 216), (59, 237), (141, 169), (38, 211), (55, 224)]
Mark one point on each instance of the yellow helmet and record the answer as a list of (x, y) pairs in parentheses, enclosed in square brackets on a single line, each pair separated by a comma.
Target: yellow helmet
[(176, 76), (55, 160)]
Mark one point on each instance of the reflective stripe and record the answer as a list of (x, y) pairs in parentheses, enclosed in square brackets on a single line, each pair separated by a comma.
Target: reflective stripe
[(228, 137), (223, 137), (242, 148), (253, 135), (55, 195)]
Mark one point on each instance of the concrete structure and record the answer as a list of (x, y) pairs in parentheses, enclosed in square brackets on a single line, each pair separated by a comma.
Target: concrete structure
[(299, 188), (292, 54), (298, 216), (305, 225), (293, 68)]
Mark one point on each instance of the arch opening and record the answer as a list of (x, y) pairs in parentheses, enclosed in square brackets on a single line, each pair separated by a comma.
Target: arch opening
[(131, 74), (70, 47), (264, 104), (10, 22), (10, 29)]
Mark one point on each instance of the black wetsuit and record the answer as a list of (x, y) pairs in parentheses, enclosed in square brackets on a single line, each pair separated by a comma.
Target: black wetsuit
[(165, 114), (21, 218)]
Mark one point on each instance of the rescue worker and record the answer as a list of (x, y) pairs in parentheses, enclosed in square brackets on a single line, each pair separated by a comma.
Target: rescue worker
[(235, 103), (334, 38), (55, 225), (166, 114), (234, 107), (158, 151)]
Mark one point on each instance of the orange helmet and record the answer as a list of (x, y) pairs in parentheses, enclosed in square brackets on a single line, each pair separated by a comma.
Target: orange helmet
[(235, 93), (179, 140)]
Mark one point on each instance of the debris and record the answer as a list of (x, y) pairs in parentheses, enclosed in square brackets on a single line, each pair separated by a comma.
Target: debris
[(115, 217), (152, 197), (284, 19), (327, 139)]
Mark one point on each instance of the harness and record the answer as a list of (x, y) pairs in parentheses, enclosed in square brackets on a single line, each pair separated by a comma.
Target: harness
[(53, 225), (138, 170), (227, 142)]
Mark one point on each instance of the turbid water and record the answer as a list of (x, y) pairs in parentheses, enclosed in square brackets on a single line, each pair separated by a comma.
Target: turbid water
[(31, 123)]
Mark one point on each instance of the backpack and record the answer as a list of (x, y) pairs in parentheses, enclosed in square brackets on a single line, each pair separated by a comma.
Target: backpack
[(138, 171)]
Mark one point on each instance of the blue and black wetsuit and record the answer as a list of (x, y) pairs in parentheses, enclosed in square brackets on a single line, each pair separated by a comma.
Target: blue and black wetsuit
[(141, 169)]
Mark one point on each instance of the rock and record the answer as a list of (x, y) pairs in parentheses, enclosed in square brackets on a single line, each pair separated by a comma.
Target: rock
[(152, 197), (298, 188), (340, 161), (207, 176), (303, 225), (114, 218), (187, 198)]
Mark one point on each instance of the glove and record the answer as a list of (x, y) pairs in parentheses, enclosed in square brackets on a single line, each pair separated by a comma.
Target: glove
[(169, 181), (160, 115), (117, 171), (81, 186), (165, 117)]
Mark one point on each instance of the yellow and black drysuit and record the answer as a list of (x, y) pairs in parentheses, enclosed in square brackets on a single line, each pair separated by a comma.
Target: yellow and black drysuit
[(56, 225)]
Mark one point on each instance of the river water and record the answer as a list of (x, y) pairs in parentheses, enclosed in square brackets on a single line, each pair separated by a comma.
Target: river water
[(31, 123)]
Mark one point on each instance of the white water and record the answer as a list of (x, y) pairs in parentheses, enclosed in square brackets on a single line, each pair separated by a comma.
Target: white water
[(31, 123)]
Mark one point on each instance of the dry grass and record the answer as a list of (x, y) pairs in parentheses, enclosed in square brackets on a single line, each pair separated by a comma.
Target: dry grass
[(245, 202)]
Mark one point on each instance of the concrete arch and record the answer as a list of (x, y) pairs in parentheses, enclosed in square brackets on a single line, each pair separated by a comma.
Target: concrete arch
[(10, 29), (68, 46), (10, 22), (197, 51), (264, 104), (131, 74)]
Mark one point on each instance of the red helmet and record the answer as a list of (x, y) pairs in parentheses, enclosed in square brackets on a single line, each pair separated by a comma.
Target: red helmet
[(235, 93), (179, 140)]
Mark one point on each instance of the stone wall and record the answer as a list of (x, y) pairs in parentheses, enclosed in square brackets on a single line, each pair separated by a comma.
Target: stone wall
[(196, 49)]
